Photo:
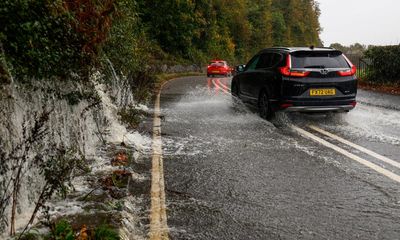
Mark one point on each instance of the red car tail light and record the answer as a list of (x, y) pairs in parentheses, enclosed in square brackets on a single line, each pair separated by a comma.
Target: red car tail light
[(286, 105), (348, 72), (286, 70)]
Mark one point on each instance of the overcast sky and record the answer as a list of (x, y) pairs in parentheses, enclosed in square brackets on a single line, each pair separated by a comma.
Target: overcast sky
[(374, 22)]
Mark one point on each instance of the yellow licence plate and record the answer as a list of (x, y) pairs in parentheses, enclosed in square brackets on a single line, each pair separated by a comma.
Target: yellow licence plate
[(215, 71), (323, 92)]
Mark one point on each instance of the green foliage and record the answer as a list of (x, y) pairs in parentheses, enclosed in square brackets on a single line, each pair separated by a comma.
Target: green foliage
[(63, 231), (132, 116), (44, 38), (33, 234), (127, 46), (104, 232), (38, 40), (385, 63), (229, 29)]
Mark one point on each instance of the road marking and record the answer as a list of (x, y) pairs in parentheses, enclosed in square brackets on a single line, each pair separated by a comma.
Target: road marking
[(223, 85), (158, 216), (358, 159), (217, 86), (360, 148), (362, 161)]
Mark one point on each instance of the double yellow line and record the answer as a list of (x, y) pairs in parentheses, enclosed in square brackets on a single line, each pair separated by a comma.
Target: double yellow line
[(158, 216)]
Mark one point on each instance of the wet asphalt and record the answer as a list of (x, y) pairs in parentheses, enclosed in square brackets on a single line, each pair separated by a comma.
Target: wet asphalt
[(231, 175)]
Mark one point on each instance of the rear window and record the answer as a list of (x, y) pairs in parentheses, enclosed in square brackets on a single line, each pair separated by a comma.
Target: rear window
[(326, 59), (219, 64)]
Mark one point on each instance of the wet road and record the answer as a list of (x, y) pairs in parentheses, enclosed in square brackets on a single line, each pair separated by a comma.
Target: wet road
[(231, 175)]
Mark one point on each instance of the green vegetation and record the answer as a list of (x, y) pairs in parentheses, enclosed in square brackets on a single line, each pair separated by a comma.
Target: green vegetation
[(385, 64), (104, 232), (378, 67), (229, 29), (64, 38), (62, 231)]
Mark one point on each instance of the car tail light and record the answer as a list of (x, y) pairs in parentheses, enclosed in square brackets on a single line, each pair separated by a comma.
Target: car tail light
[(286, 105), (286, 70), (353, 103), (348, 72)]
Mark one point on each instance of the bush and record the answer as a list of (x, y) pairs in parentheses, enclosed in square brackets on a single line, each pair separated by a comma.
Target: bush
[(105, 232), (44, 38), (63, 231), (385, 63)]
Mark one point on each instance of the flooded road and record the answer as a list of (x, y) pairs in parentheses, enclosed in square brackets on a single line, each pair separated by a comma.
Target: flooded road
[(231, 175)]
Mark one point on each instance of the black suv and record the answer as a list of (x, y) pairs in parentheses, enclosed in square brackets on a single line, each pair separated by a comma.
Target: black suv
[(297, 79)]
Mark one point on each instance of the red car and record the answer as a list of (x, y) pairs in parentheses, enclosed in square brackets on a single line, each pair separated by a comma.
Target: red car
[(218, 67)]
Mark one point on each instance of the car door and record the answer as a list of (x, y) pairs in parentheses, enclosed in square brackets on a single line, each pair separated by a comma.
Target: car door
[(247, 77), (266, 75)]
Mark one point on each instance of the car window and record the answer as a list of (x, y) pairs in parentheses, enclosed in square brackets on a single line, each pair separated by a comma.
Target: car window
[(265, 61), (323, 59), (218, 64), (251, 65), (276, 59)]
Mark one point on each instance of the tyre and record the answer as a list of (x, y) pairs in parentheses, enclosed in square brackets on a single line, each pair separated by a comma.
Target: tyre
[(235, 90), (264, 106), (280, 119), (235, 96)]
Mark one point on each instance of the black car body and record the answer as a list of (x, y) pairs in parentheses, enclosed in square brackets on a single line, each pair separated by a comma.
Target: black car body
[(297, 79)]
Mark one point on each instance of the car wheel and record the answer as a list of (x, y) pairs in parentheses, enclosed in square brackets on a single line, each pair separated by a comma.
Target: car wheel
[(237, 104), (280, 119), (264, 106)]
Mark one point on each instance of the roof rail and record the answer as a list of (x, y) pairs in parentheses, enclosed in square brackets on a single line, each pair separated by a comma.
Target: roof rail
[(283, 48)]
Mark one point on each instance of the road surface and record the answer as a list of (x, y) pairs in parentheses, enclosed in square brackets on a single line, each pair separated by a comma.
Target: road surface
[(231, 175)]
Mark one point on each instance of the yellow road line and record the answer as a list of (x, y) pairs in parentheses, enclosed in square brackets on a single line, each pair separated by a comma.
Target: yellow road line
[(362, 161), (360, 148), (158, 217)]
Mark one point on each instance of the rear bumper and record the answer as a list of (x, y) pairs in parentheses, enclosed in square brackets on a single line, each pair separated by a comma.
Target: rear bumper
[(317, 105), (342, 108), (218, 73)]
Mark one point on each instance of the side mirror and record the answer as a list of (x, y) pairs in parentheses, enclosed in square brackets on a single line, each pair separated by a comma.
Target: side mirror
[(240, 68)]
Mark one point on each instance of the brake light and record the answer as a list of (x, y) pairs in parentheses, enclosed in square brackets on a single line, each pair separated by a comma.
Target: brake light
[(286, 105), (349, 72), (299, 73), (286, 70)]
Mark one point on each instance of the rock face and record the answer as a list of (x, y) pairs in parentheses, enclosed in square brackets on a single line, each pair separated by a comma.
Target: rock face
[(40, 117)]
